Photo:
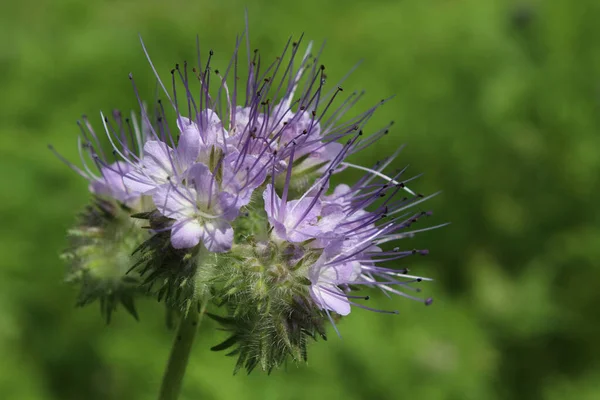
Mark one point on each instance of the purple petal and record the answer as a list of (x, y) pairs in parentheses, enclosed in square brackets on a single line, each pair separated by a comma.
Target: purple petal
[(345, 273), (204, 182), (212, 130), (158, 158), (299, 222), (188, 147), (186, 235), (323, 296), (136, 182), (217, 235), (241, 175), (227, 206), (111, 183), (174, 202), (272, 203), (301, 219), (184, 123), (297, 211)]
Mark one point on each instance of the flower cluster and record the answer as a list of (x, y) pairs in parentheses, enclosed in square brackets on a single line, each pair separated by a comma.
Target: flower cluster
[(239, 203)]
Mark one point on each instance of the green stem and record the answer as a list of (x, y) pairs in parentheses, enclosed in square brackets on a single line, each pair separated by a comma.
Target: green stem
[(180, 353)]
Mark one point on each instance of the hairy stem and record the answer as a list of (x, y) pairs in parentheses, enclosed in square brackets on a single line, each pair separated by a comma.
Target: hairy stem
[(180, 353)]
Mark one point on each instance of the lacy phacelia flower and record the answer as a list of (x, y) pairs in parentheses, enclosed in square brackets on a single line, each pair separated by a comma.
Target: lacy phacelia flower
[(239, 207), (200, 210)]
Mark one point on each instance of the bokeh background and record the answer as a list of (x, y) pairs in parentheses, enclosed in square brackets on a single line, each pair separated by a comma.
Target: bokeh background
[(499, 104)]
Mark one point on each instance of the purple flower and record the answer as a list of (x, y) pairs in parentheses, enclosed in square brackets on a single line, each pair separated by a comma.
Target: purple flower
[(281, 134), (208, 134), (326, 281), (241, 175), (110, 184), (200, 211), (160, 163), (271, 135), (295, 220)]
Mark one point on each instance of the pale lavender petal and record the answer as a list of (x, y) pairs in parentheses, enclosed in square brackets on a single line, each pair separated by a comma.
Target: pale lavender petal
[(210, 117), (323, 296), (300, 127), (226, 206), (211, 129), (297, 211), (272, 203), (184, 123), (340, 190), (174, 202), (303, 233), (111, 183), (345, 273), (327, 153), (137, 182), (241, 175), (158, 158), (204, 183), (217, 235), (299, 219), (282, 233), (185, 235), (188, 147), (329, 225)]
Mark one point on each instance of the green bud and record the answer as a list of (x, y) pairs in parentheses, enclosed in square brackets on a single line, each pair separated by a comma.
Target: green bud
[(99, 256)]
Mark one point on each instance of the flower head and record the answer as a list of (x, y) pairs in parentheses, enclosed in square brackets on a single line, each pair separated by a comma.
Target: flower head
[(240, 206)]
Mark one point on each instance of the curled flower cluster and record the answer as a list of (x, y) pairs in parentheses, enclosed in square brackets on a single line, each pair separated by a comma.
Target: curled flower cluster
[(239, 203)]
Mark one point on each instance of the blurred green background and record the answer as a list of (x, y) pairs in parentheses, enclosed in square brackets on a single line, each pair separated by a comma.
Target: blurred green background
[(499, 104)]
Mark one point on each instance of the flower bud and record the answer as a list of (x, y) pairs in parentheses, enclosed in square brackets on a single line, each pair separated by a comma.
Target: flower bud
[(99, 256)]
